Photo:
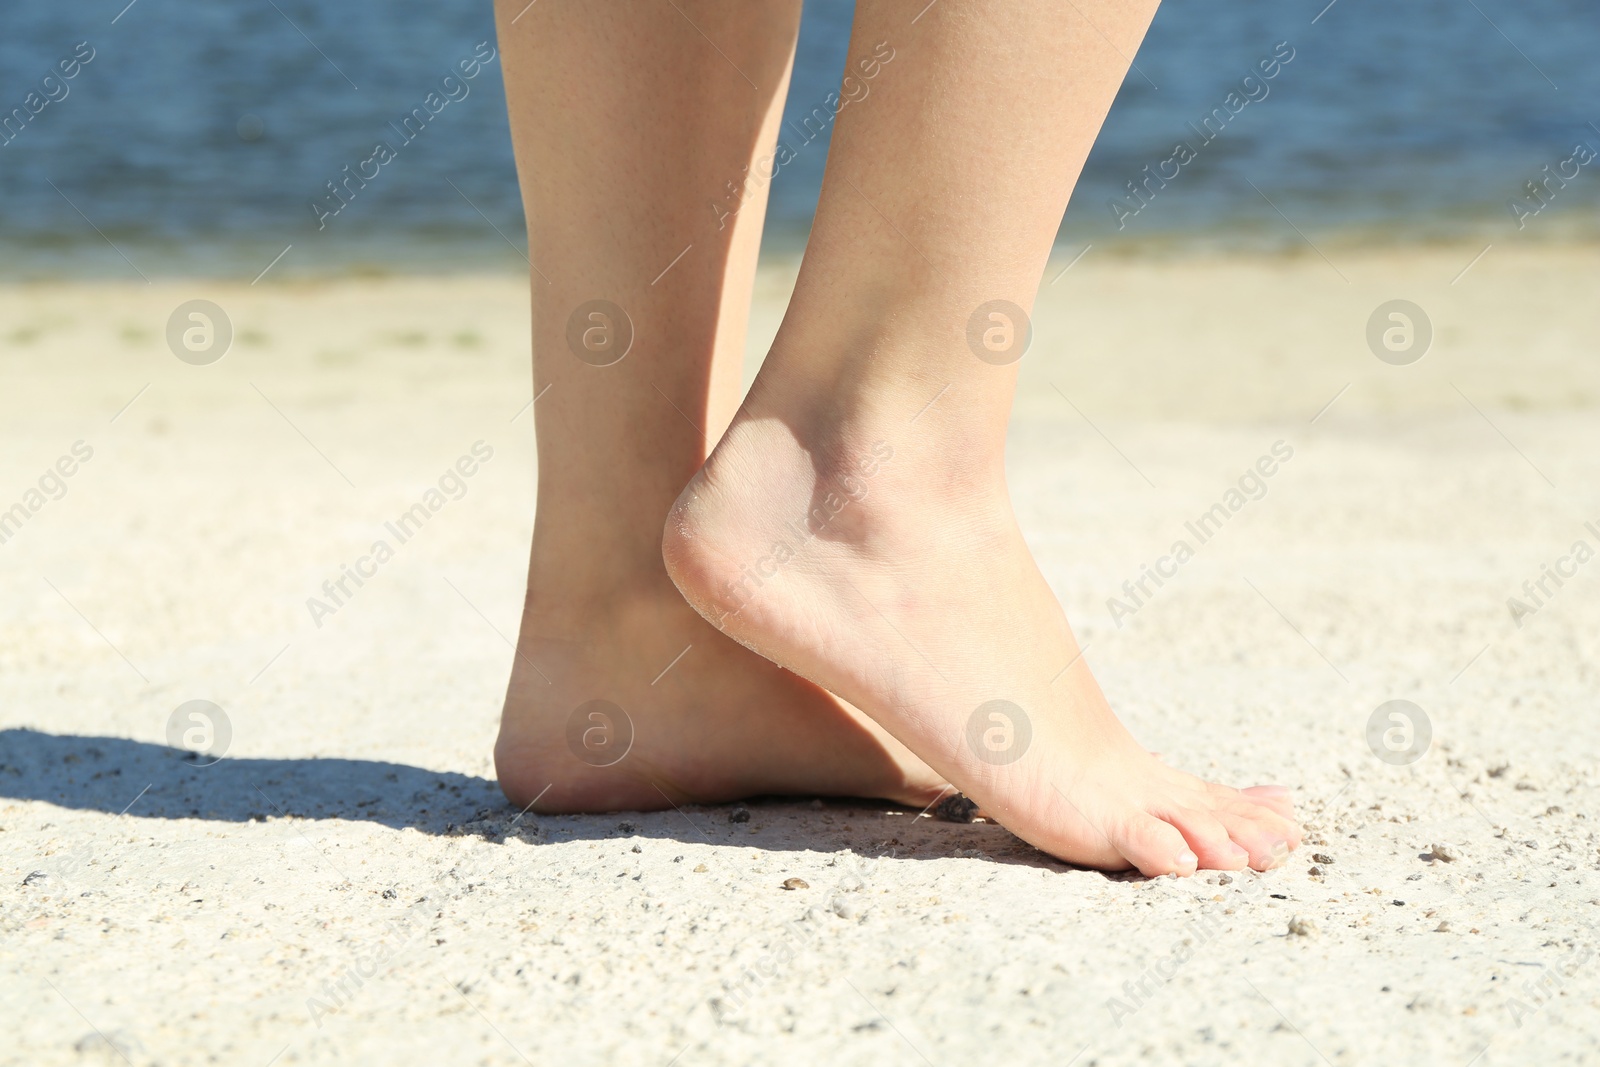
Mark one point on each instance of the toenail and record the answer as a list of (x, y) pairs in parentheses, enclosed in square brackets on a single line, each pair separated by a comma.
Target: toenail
[(1187, 859)]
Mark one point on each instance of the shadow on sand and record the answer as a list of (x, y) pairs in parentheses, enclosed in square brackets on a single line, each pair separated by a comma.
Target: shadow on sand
[(118, 776)]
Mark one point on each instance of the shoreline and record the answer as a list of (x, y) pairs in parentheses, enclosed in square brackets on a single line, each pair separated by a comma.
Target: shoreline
[(1202, 338), (223, 259)]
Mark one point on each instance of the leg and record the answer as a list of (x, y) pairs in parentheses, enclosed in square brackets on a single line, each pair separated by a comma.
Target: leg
[(868, 458), (627, 124)]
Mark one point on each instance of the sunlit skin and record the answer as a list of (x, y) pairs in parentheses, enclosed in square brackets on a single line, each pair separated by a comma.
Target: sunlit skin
[(903, 602)]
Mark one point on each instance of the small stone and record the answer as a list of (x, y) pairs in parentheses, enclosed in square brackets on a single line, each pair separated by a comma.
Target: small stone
[(102, 1043), (626, 827), (1224, 879), (700, 868), (1443, 927), (796, 883), (1302, 927), (1398, 903), (37, 878), (1446, 853), (846, 908), (1322, 858), (1315, 872), (1531, 843), (956, 808), (389, 894), (739, 815), (636, 848)]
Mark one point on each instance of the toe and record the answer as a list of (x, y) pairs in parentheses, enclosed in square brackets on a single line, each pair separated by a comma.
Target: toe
[(1209, 839), (1275, 797), (1267, 836), (1153, 846)]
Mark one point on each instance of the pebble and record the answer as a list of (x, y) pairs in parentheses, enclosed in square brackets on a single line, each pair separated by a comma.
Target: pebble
[(1444, 852), (1315, 872), (1300, 927), (389, 894), (1322, 858), (956, 808), (846, 908), (700, 868), (739, 815), (37, 878), (796, 883)]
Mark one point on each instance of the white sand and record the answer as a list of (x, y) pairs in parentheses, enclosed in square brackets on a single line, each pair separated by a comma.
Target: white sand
[(355, 823)]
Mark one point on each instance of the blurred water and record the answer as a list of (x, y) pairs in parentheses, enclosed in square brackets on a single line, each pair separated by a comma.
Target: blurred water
[(199, 132)]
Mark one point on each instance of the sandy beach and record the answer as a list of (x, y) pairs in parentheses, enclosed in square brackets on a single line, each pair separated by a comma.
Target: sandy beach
[(348, 886)]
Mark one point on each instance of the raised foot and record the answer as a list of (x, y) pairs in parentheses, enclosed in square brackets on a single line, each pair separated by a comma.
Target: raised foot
[(886, 572)]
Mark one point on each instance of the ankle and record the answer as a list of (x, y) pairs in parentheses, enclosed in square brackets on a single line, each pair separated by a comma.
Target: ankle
[(569, 596), (848, 393)]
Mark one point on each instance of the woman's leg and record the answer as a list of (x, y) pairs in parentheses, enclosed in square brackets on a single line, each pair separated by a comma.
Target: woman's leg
[(628, 122), (854, 525)]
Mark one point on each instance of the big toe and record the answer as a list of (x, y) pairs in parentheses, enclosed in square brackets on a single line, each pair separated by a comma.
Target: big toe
[(1154, 846), (1275, 797)]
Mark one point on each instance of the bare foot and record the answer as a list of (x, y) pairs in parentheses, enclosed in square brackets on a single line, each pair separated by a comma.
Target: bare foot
[(636, 703), (870, 557)]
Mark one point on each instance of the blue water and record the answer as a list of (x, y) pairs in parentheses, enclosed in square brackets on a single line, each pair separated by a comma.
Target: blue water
[(196, 136)]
